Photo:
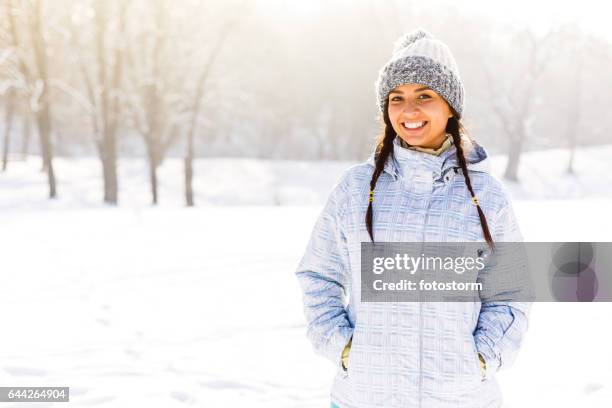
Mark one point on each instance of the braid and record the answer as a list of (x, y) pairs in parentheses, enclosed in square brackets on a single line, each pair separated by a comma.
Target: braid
[(454, 128), (384, 149)]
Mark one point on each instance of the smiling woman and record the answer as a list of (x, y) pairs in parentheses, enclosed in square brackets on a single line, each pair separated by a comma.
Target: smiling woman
[(426, 181)]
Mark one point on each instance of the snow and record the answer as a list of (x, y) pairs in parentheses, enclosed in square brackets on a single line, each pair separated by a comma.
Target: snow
[(239, 181), (171, 306)]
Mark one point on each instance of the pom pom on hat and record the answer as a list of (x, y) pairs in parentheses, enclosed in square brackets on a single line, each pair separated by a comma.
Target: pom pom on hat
[(409, 38)]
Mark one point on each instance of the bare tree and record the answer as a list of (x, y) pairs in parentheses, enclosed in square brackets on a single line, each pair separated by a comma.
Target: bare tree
[(109, 103), (583, 57), (36, 76), (196, 105), (8, 80), (513, 97), (103, 85), (574, 44), (8, 124), (149, 105), (7, 84)]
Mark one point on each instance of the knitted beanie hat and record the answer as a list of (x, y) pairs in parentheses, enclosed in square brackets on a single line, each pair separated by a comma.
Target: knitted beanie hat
[(418, 58)]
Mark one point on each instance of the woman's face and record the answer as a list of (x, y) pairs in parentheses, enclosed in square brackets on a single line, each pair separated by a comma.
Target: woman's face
[(419, 115)]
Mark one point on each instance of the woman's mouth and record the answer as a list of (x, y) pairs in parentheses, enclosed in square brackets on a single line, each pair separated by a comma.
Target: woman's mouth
[(414, 127)]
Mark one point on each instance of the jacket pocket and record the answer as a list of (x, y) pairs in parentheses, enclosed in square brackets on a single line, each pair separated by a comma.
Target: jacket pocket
[(353, 358), (344, 356)]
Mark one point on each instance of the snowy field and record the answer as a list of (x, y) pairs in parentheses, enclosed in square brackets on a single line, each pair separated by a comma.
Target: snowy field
[(173, 307)]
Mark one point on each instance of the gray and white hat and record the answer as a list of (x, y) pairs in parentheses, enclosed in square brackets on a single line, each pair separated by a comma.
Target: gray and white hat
[(419, 58)]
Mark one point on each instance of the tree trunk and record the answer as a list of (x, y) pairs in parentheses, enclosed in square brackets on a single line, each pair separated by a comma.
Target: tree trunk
[(189, 172), (154, 162), (109, 170), (109, 164), (572, 128), (570, 163), (574, 122), (153, 178), (27, 132), (44, 131), (43, 114), (8, 124), (109, 109), (514, 155)]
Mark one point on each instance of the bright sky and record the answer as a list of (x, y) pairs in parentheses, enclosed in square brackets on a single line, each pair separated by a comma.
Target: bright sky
[(593, 15)]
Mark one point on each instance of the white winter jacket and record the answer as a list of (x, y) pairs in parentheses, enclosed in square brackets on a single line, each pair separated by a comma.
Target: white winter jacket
[(417, 354)]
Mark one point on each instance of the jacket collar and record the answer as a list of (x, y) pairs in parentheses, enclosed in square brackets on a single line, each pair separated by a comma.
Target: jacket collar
[(477, 159)]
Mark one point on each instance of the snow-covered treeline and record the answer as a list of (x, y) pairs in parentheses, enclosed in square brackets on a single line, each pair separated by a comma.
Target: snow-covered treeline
[(273, 79)]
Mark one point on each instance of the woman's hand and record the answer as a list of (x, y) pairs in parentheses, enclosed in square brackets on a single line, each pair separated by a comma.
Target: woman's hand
[(345, 354), (483, 367)]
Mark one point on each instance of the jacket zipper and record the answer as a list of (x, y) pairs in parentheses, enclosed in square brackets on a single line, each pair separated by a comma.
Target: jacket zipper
[(420, 323)]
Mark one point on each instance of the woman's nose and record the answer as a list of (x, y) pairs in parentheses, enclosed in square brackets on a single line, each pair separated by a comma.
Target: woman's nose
[(411, 109)]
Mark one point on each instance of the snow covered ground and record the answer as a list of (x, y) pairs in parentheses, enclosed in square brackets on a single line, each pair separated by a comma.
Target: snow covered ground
[(173, 307)]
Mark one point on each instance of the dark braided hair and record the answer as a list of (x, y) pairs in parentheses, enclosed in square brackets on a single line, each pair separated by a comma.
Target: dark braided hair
[(384, 149)]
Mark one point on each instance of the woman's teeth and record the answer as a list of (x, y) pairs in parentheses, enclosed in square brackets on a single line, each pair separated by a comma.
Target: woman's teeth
[(413, 125)]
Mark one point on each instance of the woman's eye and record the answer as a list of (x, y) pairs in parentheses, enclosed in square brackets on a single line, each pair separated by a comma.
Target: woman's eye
[(399, 98)]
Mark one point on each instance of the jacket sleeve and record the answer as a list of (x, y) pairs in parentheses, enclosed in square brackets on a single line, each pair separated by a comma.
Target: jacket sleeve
[(324, 276), (502, 325)]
